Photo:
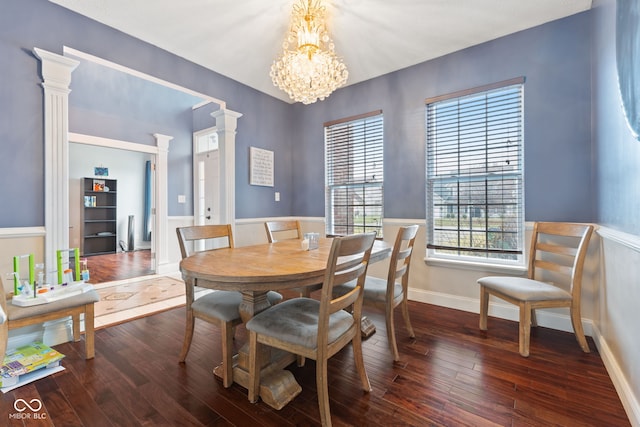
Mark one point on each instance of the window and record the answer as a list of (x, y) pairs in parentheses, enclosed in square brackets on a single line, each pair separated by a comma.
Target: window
[(354, 174), (475, 174)]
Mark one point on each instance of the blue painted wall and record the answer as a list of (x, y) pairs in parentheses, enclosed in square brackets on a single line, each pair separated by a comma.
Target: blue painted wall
[(112, 104), (555, 59), (116, 105), (25, 24)]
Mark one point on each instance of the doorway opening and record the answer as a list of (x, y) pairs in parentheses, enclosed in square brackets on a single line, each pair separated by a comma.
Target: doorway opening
[(206, 177), (126, 219), (57, 165)]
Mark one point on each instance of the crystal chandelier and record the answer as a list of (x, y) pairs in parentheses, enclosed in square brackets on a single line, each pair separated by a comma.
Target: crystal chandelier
[(308, 69)]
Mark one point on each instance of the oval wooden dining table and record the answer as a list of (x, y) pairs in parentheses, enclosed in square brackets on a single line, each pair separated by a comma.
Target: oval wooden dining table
[(253, 271)]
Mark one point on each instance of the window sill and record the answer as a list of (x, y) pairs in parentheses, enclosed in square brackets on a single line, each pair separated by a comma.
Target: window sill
[(519, 270)]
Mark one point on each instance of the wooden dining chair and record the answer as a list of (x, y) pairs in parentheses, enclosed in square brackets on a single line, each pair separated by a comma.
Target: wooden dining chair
[(389, 293), (220, 307), (317, 329), (284, 230), (554, 279)]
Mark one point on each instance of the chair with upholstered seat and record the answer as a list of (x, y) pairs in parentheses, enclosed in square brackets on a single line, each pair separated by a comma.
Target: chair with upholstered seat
[(317, 329), (556, 261), (391, 292), (284, 230), (220, 307)]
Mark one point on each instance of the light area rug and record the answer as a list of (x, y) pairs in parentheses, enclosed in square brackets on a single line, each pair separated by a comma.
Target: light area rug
[(130, 299)]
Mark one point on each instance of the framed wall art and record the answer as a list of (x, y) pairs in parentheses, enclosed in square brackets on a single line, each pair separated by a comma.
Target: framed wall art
[(100, 171), (260, 167)]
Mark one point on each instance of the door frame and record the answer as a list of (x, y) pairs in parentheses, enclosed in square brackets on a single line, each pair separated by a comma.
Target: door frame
[(196, 170), (56, 78), (159, 174)]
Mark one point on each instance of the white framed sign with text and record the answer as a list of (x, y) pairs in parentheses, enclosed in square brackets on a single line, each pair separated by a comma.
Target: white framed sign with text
[(260, 167)]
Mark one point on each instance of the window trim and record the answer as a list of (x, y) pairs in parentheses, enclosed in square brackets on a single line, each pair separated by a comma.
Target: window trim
[(352, 118), (477, 89), (378, 184), (471, 261)]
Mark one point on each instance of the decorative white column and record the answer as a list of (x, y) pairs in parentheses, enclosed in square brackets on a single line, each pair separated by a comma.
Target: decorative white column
[(226, 124), (56, 76), (160, 195)]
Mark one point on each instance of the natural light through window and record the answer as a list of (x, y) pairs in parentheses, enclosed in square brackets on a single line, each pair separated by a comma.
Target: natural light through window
[(475, 174), (354, 174)]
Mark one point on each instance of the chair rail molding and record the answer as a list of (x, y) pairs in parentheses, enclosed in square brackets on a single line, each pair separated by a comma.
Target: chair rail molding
[(629, 240), (19, 232), (56, 77)]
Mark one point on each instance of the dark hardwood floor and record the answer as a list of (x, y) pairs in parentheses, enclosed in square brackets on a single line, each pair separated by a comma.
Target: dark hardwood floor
[(451, 374), (119, 266)]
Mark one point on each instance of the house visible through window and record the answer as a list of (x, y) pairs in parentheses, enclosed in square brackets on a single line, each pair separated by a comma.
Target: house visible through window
[(354, 174), (475, 174)]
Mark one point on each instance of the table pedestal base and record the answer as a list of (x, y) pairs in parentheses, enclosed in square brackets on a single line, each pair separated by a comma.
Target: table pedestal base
[(277, 385)]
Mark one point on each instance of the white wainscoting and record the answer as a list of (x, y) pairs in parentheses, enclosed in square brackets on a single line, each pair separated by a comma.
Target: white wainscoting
[(15, 242), (618, 320)]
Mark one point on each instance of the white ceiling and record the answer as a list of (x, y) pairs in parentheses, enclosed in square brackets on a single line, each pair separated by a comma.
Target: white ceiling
[(240, 38)]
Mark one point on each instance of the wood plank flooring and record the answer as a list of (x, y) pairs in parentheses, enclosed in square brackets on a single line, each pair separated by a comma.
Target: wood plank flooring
[(451, 374), (119, 266)]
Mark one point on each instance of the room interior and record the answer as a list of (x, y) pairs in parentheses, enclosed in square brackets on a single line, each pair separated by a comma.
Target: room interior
[(581, 157), (128, 171)]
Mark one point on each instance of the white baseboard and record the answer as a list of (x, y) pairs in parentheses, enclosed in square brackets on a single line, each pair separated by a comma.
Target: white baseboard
[(59, 331), (51, 333), (545, 318), (24, 336), (625, 392), (168, 268)]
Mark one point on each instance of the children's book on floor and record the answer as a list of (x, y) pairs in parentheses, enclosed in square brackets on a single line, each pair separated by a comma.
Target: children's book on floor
[(26, 359)]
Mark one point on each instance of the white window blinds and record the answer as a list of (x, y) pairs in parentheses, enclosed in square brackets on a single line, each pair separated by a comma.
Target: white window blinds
[(354, 174), (475, 173)]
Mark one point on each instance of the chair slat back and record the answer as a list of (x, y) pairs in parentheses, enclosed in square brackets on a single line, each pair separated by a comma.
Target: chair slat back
[(401, 258), (553, 266), (283, 228), (188, 236), (348, 260), (559, 248)]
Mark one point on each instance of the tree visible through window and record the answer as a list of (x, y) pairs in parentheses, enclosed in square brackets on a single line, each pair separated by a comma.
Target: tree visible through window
[(475, 174), (354, 174)]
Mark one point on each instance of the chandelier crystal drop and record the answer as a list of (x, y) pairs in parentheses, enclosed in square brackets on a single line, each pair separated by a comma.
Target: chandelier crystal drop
[(308, 68)]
